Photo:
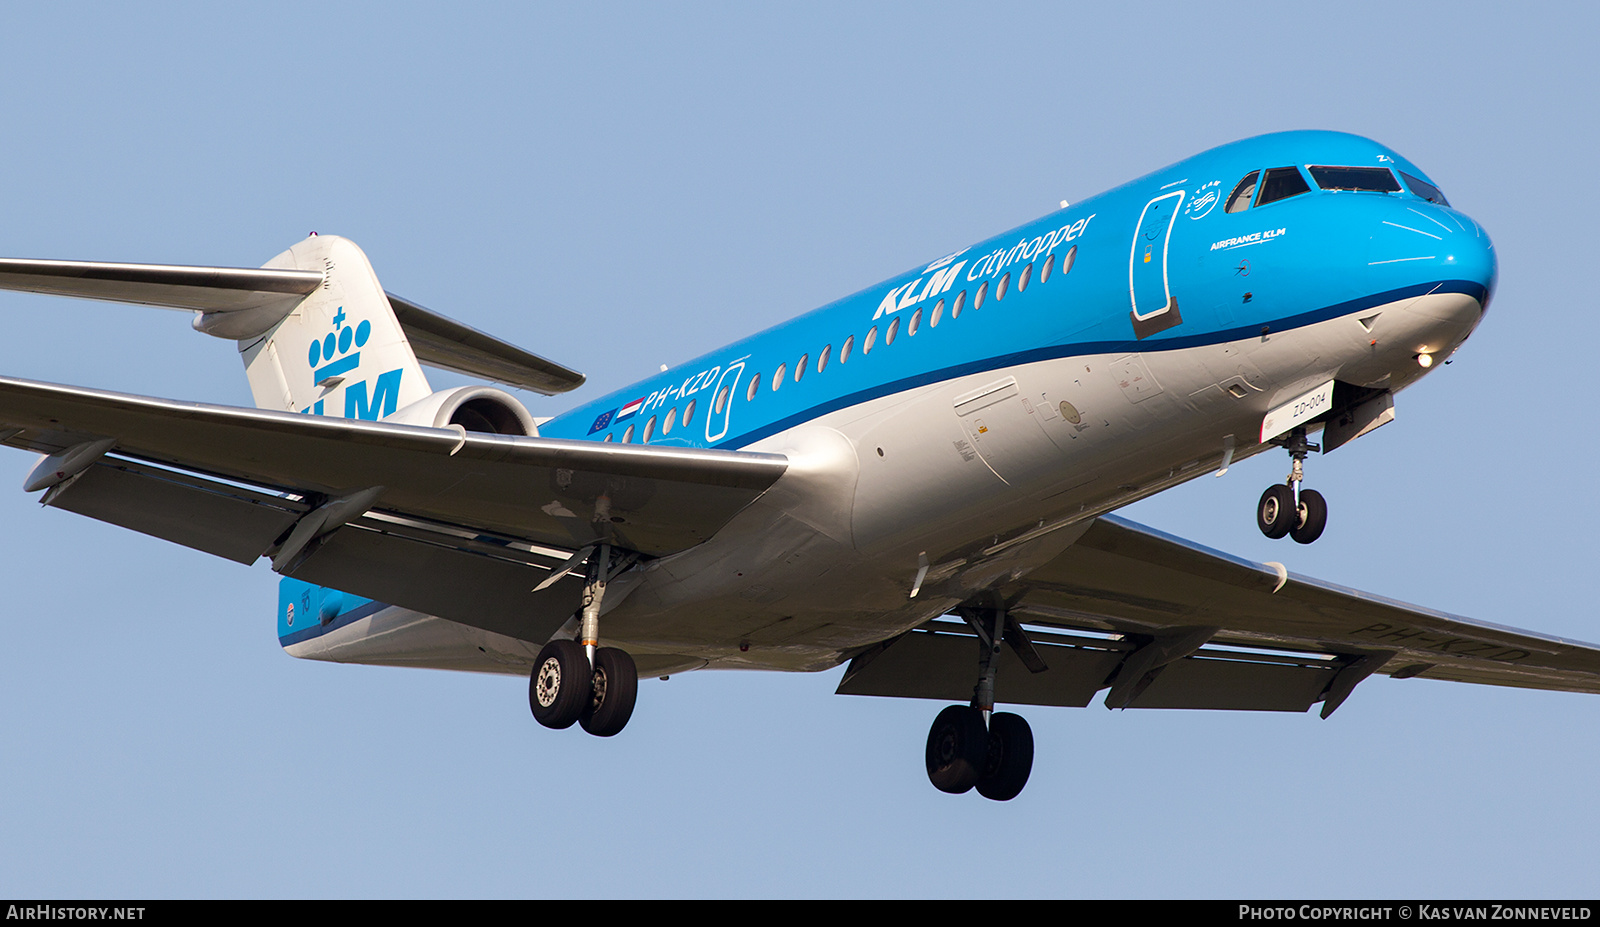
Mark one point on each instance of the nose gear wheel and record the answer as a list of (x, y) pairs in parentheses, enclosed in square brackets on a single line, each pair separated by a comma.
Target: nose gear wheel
[(1276, 513), (1313, 517), (1287, 510)]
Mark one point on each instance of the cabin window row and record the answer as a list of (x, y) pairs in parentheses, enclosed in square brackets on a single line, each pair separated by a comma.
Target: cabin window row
[(914, 324), (847, 349), (667, 424)]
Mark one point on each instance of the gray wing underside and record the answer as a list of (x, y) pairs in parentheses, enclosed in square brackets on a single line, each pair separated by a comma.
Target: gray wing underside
[(1166, 623), (450, 523), (267, 294)]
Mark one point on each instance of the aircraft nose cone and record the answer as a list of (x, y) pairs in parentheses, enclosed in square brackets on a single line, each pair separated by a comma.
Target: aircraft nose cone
[(1472, 258), (1424, 244)]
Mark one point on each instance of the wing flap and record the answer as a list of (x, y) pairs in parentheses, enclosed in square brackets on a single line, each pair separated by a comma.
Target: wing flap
[(940, 665), (233, 522), (1206, 682), (938, 661), (466, 583)]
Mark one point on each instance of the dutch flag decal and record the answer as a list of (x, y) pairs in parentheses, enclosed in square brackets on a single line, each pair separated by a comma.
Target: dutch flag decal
[(631, 409)]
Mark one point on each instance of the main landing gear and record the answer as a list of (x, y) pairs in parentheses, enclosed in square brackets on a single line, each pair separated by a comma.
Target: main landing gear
[(593, 686), (963, 753), (565, 688), (1287, 509), (973, 745)]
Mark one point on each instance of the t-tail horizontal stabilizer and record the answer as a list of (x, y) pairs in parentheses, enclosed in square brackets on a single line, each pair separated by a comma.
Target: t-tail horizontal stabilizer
[(245, 304)]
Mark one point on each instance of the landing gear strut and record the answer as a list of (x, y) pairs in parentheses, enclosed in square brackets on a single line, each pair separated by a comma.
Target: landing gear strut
[(583, 682), (973, 745), (1287, 509)]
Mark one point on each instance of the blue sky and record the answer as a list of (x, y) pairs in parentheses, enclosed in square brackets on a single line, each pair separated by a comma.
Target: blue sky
[(619, 186)]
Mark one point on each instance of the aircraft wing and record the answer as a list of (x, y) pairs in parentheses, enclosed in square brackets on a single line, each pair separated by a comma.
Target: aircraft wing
[(448, 522), (1167, 623)]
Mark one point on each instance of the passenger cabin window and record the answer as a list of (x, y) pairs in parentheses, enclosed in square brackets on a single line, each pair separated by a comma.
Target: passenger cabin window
[(1424, 189), (938, 310), (649, 430), (1049, 265), (891, 331), (800, 366), (1239, 199), (1366, 179), (749, 393), (672, 419), (777, 378), (844, 349), (1280, 184), (916, 322), (688, 411), (958, 305), (822, 359)]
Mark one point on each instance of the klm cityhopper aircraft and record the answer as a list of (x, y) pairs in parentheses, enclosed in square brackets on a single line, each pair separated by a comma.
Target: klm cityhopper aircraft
[(916, 479)]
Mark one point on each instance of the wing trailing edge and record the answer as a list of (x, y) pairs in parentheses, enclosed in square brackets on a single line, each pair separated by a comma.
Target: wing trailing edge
[(1168, 623)]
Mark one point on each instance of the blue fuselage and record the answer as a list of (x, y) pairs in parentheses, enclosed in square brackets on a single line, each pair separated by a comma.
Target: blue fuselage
[(1155, 265)]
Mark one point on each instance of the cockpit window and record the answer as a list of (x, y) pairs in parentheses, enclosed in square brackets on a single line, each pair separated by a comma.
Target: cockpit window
[(1370, 179), (1282, 183), (1424, 189), (1240, 199)]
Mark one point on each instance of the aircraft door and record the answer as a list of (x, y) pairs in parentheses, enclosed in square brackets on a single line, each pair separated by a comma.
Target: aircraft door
[(1155, 309), (721, 410)]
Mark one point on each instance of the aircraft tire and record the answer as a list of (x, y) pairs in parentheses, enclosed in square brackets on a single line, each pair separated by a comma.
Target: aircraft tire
[(957, 746), (1010, 759), (614, 690), (1313, 517), (1276, 513), (559, 687)]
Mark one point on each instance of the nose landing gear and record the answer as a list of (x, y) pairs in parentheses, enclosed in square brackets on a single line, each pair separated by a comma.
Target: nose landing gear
[(1287, 509)]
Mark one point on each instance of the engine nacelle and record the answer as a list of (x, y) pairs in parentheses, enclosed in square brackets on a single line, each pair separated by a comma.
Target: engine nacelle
[(482, 409)]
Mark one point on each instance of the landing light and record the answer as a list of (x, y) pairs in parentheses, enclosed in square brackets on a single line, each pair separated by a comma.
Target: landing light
[(1425, 360)]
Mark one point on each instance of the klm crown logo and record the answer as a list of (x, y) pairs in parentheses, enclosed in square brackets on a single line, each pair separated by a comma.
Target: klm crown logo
[(335, 352)]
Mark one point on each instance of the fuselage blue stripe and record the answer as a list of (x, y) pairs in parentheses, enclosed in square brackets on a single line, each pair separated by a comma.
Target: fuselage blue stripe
[(319, 629), (1076, 349)]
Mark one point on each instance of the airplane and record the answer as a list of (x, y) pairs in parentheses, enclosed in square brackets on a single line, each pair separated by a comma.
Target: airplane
[(917, 480)]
